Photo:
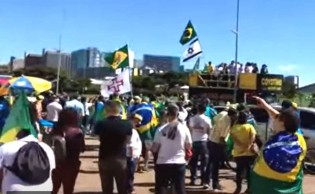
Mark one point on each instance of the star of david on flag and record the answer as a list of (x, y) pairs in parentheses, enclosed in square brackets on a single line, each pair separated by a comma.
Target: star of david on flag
[(192, 51)]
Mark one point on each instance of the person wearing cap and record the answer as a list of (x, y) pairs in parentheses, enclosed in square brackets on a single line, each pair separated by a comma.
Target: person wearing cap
[(170, 145), (134, 149), (279, 166)]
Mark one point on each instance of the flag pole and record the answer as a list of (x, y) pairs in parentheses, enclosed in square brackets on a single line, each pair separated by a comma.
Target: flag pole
[(236, 51)]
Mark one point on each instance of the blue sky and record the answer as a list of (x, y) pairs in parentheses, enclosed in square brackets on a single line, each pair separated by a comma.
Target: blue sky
[(279, 33)]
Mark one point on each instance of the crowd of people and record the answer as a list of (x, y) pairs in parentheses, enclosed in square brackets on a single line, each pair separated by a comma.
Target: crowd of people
[(176, 134)]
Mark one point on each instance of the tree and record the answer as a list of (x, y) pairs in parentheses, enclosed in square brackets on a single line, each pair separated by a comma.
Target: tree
[(65, 83), (289, 90)]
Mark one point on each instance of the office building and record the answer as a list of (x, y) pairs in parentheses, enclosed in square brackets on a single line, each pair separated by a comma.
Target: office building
[(51, 59), (86, 58), (162, 63), (33, 60), (95, 72)]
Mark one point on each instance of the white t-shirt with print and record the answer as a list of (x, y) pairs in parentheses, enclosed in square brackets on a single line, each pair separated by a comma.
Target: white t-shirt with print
[(200, 125), (135, 144), (11, 182), (172, 151)]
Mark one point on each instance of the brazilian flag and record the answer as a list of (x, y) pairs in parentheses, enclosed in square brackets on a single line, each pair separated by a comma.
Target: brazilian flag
[(189, 34), (149, 121), (119, 58), (278, 169)]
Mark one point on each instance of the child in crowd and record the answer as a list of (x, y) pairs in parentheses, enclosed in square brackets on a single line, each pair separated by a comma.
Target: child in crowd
[(134, 148)]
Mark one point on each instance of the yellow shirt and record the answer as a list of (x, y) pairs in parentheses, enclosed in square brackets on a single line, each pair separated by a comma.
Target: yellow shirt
[(241, 136), (221, 128)]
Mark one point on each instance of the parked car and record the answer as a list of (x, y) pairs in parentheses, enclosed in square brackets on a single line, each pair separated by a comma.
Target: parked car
[(307, 116)]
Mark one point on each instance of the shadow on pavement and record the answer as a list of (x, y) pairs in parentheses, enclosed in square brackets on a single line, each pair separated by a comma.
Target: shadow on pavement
[(88, 171), (144, 184), (89, 148), (89, 156), (195, 191)]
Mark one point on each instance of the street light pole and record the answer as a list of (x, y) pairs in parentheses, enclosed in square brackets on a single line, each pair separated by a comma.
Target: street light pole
[(59, 65), (236, 51)]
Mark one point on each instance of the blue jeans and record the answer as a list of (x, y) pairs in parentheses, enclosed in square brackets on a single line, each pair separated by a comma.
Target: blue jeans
[(170, 173), (200, 151), (131, 166)]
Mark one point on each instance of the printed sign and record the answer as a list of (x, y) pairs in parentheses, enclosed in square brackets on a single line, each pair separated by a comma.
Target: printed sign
[(271, 83)]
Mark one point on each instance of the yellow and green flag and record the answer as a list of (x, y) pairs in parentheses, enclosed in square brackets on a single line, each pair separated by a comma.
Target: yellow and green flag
[(18, 119), (189, 34), (119, 58)]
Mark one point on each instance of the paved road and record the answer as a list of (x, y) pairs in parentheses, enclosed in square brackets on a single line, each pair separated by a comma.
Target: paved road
[(89, 183)]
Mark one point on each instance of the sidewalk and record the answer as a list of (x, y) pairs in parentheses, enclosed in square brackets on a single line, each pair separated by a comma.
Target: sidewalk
[(88, 181)]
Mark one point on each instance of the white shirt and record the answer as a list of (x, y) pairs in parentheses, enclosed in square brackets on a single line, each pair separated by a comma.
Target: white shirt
[(53, 110), (136, 145), (182, 116), (221, 128), (200, 126), (87, 108), (77, 105), (11, 182), (172, 151)]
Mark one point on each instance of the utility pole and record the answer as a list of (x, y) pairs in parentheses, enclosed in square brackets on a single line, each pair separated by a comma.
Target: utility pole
[(59, 65), (236, 51)]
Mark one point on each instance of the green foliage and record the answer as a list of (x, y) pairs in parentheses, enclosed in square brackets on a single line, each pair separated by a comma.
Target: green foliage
[(169, 80), (289, 90)]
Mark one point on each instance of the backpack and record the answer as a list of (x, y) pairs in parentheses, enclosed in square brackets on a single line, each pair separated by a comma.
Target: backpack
[(58, 145), (31, 164)]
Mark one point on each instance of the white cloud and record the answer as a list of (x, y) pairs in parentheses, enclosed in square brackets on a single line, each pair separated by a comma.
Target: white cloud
[(287, 68)]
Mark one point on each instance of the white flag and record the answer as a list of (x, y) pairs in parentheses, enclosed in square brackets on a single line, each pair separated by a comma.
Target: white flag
[(118, 85), (192, 51)]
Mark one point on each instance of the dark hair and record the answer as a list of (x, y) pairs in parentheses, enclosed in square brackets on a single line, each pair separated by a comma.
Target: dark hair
[(201, 108), (172, 110), (242, 117), (180, 105), (101, 98), (241, 107), (290, 119), (68, 117), (23, 133), (232, 112), (83, 99), (74, 97)]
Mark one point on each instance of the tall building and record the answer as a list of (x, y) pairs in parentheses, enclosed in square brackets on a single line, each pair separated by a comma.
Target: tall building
[(95, 72), (86, 58), (162, 63), (33, 60), (51, 59), (95, 58)]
